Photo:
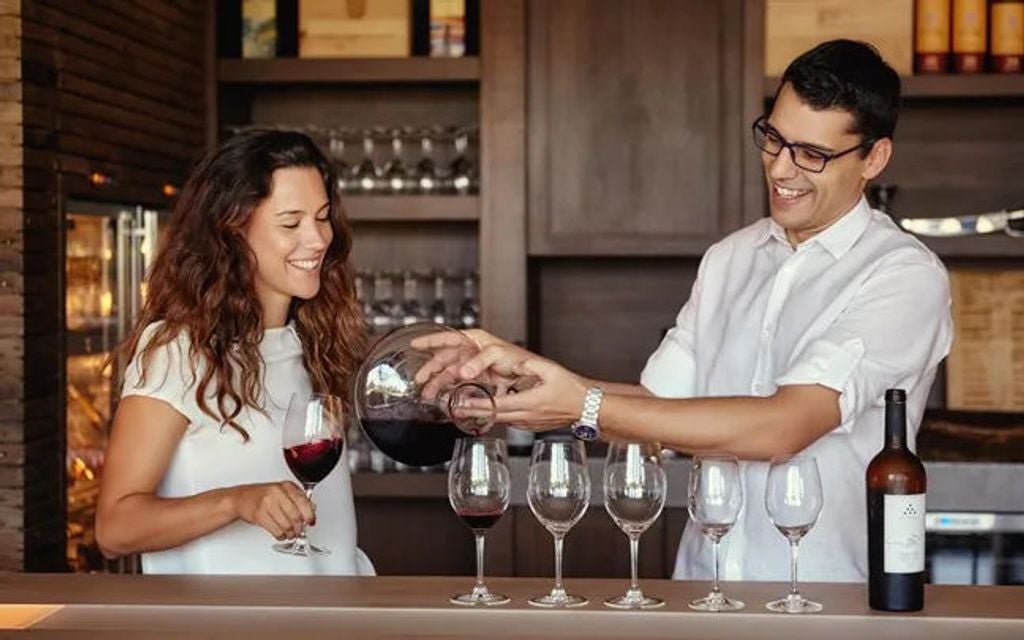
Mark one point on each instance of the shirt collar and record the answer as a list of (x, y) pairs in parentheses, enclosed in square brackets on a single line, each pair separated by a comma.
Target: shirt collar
[(837, 238)]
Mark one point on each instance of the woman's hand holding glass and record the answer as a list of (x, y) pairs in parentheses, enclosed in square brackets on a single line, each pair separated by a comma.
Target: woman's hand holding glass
[(634, 495), (558, 492), (714, 500), (312, 440)]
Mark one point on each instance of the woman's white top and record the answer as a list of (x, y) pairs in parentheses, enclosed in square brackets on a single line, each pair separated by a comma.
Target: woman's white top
[(211, 456)]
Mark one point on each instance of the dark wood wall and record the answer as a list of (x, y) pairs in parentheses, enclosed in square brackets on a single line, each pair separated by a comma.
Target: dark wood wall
[(109, 86), (11, 305)]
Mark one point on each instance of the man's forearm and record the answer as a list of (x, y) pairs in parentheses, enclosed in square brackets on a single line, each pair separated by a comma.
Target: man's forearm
[(756, 428)]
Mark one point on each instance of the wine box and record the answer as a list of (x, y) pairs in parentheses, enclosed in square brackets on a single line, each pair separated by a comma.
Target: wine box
[(354, 28), (794, 26), (985, 367)]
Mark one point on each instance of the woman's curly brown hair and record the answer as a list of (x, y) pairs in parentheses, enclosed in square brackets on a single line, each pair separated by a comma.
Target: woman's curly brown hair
[(203, 280)]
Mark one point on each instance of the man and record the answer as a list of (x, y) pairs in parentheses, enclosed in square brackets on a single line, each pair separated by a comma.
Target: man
[(795, 327)]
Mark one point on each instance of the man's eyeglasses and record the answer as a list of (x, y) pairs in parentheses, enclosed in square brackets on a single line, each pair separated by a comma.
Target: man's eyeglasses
[(806, 157)]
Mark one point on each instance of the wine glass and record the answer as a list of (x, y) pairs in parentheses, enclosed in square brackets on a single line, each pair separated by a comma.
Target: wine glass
[(714, 500), (313, 439), (634, 495), (558, 492), (478, 490), (793, 498)]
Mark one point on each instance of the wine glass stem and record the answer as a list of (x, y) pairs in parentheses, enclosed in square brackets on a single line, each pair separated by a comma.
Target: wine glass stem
[(634, 553), (309, 496), (792, 566), (479, 559), (714, 585), (558, 562)]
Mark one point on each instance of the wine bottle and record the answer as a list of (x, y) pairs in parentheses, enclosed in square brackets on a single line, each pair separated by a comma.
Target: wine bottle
[(931, 36), (1007, 44), (896, 485), (970, 35)]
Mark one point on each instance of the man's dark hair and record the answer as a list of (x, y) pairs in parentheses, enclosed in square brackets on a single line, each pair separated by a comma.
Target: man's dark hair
[(852, 76)]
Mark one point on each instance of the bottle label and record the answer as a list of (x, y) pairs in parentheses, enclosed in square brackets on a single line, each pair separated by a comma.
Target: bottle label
[(970, 26), (932, 26), (904, 533), (1008, 29)]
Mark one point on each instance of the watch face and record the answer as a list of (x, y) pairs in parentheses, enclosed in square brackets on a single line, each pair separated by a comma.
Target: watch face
[(584, 431)]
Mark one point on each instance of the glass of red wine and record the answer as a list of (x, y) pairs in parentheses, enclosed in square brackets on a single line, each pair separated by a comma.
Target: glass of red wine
[(478, 490), (313, 439)]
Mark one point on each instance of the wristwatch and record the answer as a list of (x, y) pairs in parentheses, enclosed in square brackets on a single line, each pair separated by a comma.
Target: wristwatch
[(587, 428)]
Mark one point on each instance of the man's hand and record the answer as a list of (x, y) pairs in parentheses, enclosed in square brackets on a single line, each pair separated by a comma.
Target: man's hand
[(531, 392)]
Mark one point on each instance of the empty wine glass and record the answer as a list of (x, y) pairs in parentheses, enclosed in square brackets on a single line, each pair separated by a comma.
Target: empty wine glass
[(793, 498), (714, 500), (634, 495), (313, 438), (478, 490), (558, 492)]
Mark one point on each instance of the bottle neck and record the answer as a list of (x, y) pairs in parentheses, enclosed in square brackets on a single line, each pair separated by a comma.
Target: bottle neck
[(896, 425)]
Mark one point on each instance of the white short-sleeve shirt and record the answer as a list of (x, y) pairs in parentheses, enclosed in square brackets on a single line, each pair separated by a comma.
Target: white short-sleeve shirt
[(211, 456), (860, 308)]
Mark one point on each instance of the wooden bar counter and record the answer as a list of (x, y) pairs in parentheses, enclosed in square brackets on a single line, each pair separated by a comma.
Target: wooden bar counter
[(82, 606)]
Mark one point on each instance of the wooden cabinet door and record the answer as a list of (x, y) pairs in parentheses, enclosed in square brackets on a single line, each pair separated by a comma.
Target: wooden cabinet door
[(638, 118)]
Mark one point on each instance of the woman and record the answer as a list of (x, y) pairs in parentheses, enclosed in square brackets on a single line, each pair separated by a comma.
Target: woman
[(250, 300)]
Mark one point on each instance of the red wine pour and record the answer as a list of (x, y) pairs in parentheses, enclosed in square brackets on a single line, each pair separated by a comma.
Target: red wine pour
[(312, 461), (896, 486)]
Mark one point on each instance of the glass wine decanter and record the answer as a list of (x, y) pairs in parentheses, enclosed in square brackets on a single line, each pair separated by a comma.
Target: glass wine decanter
[(410, 402)]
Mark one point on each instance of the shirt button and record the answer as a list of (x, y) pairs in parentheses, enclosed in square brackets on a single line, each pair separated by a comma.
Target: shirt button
[(757, 388)]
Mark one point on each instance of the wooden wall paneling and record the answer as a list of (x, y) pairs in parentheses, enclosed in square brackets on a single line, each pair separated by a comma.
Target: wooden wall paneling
[(631, 108), (12, 458), (211, 92), (754, 190), (674, 521), (113, 87), (594, 548), (396, 246), (430, 539), (975, 165), (503, 168), (364, 106), (604, 318)]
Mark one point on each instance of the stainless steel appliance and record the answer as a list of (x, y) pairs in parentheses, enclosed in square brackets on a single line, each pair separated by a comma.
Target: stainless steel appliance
[(975, 548), (108, 251)]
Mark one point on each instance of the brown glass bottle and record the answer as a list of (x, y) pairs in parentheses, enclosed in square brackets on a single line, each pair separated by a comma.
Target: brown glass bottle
[(1007, 41), (896, 486), (931, 36), (970, 35)]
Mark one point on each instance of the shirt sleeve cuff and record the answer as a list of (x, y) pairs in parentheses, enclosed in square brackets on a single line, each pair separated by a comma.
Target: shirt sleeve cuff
[(830, 365)]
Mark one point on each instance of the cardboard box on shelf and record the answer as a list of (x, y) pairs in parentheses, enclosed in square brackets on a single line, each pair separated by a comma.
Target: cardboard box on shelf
[(794, 26), (353, 28), (985, 368)]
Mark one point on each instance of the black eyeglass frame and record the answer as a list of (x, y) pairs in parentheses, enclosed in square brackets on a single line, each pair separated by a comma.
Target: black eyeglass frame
[(761, 124)]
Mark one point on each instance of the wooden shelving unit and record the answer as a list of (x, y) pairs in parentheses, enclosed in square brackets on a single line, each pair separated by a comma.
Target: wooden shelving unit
[(412, 208), (348, 70), (986, 85)]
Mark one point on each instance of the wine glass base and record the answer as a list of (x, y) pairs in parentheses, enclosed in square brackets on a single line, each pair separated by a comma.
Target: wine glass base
[(634, 601), (300, 548), (716, 602), (478, 599), (565, 601), (793, 604)]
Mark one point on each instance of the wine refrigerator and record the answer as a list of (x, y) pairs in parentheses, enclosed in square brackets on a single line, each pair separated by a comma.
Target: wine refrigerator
[(108, 250)]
